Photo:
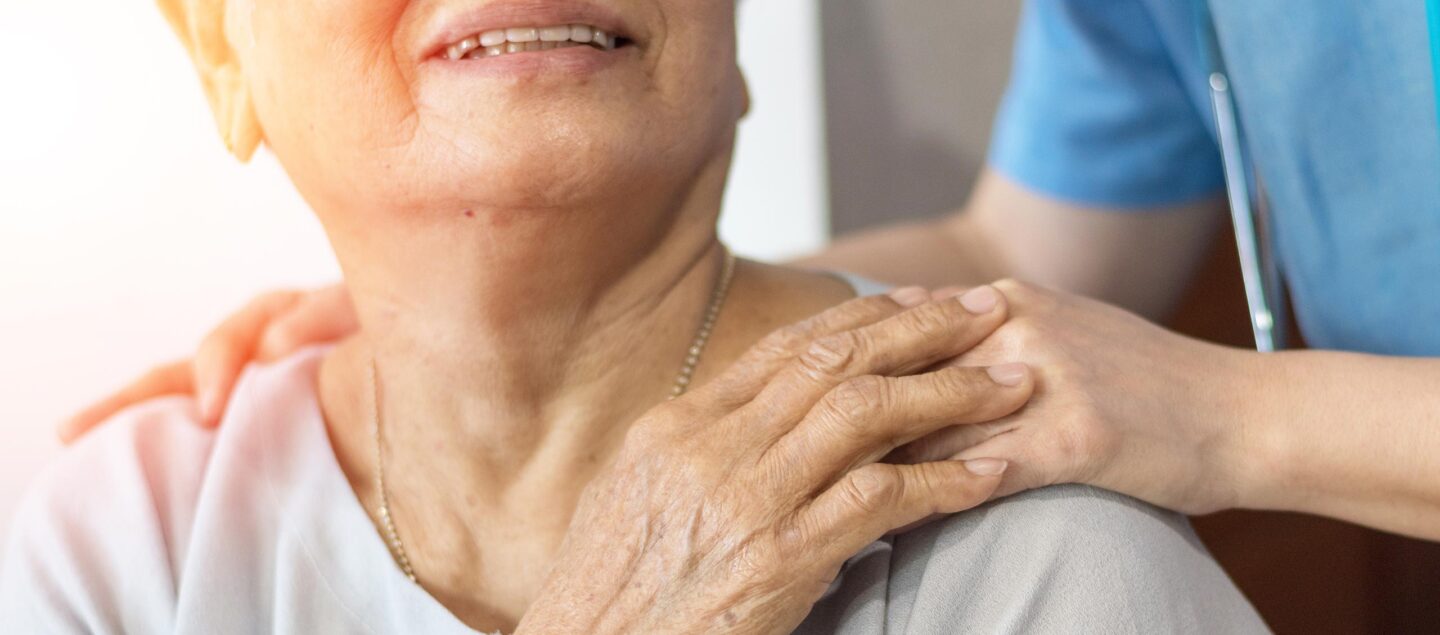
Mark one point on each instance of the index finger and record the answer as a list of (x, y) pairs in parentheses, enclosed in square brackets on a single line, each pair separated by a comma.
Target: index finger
[(174, 378)]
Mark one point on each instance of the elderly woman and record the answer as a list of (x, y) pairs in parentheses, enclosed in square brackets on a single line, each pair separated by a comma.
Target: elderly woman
[(523, 197)]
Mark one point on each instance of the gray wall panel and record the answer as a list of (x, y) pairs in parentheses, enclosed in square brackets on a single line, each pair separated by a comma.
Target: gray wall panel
[(911, 88)]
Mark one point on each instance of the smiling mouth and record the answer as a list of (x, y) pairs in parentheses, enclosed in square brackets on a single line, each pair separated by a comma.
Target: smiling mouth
[(498, 42)]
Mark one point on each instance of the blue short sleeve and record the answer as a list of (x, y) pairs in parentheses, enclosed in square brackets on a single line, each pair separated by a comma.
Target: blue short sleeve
[(1106, 105)]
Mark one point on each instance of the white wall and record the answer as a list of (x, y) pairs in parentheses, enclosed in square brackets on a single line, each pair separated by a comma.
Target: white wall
[(126, 231)]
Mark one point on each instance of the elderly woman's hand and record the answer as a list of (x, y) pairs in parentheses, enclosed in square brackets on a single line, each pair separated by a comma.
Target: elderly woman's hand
[(1120, 403), (732, 508)]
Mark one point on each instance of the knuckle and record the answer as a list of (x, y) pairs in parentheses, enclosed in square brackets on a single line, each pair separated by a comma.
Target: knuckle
[(643, 435), (870, 306), (1022, 333), (657, 429), (795, 339), (676, 412), (219, 338), (280, 340), (796, 535), (874, 488), (834, 355), (934, 317), (861, 309), (857, 399), (785, 341)]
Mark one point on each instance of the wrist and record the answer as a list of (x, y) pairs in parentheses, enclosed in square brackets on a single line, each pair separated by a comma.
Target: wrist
[(1262, 455)]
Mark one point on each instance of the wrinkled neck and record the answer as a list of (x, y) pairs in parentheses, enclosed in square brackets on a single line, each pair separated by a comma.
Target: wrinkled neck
[(512, 341)]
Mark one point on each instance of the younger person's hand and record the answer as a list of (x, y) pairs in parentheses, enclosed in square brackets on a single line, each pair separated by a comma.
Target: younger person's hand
[(271, 327)]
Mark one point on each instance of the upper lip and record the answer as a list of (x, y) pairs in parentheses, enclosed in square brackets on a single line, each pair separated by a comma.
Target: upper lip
[(449, 26)]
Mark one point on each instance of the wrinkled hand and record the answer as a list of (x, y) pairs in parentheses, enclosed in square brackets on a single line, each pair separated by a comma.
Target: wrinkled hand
[(271, 327), (732, 508), (1119, 403)]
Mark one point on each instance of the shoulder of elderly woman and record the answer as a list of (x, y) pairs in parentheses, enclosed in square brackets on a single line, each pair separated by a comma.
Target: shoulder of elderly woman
[(93, 545), (1070, 558), (117, 534)]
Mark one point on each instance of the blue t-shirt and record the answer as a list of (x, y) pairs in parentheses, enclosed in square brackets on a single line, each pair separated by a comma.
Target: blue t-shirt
[(1109, 105)]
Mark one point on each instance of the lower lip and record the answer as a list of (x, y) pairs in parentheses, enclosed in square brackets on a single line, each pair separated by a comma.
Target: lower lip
[(575, 60)]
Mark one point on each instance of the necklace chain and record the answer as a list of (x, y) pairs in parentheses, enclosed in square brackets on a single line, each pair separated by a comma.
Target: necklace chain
[(682, 383)]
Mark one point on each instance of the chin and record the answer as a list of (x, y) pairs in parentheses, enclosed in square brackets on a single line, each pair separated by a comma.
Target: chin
[(546, 159), (555, 174)]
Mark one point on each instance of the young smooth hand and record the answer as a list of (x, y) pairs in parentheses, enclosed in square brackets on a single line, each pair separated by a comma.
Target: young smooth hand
[(1120, 403)]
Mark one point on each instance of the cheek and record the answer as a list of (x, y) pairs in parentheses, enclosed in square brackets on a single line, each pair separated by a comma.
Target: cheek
[(701, 87), (325, 78)]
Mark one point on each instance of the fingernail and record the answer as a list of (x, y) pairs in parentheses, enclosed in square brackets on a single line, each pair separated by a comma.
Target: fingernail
[(980, 300), (1008, 374), (986, 467), (910, 296)]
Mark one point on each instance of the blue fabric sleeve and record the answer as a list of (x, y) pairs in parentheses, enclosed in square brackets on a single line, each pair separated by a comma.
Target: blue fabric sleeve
[(1097, 112)]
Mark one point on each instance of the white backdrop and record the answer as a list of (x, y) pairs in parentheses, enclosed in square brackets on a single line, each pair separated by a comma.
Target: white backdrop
[(106, 268)]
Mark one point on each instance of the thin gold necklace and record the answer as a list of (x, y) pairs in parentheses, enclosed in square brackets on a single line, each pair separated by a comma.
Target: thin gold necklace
[(682, 383)]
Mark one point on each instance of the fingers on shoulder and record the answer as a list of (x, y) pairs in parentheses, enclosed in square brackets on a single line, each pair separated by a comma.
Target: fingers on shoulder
[(905, 342), (174, 378), (782, 346)]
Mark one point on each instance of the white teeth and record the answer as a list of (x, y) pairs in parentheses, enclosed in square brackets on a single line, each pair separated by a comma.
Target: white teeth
[(498, 42), (555, 34), (492, 38), (522, 35), (459, 49)]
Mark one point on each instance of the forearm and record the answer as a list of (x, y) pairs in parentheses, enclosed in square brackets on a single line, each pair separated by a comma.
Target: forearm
[(1135, 258), (1354, 437)]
